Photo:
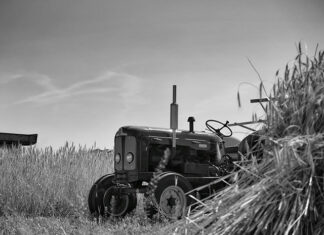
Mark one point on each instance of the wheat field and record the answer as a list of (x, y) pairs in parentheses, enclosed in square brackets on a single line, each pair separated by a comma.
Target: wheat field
[(43, 191)]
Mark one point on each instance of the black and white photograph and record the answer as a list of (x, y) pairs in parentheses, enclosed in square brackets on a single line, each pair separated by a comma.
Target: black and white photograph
[(162, 117)]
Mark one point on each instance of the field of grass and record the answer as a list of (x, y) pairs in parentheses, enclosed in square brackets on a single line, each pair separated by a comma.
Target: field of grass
[(22, 225), (43, 191), (43, 182)]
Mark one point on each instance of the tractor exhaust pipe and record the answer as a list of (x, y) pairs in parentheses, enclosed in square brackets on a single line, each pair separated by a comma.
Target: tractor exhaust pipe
[(174, 116)]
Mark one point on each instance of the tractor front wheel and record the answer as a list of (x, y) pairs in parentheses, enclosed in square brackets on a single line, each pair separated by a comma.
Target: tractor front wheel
[(96, 195), (118, 205), (101, 199)]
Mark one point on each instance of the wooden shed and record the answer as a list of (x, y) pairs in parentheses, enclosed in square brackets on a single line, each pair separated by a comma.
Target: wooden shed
[(11, 139)]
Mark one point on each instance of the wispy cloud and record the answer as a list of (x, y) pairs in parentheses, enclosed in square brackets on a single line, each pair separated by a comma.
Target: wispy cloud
[(6, 78), (131, 92), (125, 86)]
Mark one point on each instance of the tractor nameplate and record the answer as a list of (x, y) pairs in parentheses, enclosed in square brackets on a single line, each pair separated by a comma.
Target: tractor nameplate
[(204, 146)]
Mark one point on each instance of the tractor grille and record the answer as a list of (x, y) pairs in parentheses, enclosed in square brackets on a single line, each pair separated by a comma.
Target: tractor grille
[(124, 145)]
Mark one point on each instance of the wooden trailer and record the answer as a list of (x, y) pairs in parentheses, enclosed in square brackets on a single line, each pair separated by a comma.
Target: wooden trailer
[(12, 140)]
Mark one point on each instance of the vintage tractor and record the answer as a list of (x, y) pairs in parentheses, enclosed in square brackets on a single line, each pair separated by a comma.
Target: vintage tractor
[(196, 159)]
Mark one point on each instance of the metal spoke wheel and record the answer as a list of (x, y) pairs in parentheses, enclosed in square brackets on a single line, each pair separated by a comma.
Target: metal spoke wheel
[(115, 204), (173, 202), (170, 195)]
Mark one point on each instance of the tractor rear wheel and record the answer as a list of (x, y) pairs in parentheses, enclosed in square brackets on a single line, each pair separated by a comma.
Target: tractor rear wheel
[(171, 195)]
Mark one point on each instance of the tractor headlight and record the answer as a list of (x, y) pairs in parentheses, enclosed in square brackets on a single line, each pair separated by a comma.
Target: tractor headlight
[(130, 157), (117, 158)]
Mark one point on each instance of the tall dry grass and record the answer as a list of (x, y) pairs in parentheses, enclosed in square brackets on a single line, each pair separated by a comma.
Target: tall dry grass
[(43, 191), (297, 98), (284, 193), (44, 182)]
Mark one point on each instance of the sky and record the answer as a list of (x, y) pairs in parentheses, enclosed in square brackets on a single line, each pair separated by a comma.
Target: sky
[(78, 70)]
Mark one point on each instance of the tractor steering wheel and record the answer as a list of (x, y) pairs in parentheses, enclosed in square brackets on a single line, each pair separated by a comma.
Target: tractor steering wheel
[(218, 131)]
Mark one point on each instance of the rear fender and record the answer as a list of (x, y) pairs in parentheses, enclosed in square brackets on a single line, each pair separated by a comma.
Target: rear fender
[(252, 143), (176, 175)]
